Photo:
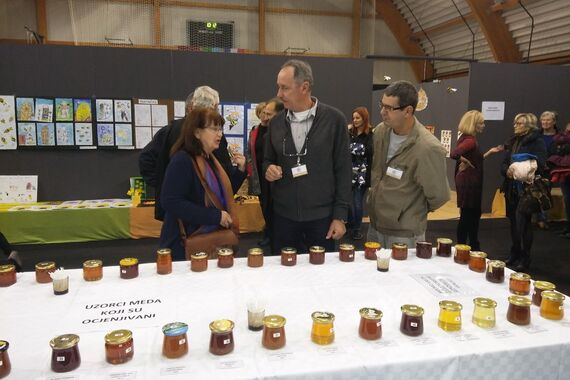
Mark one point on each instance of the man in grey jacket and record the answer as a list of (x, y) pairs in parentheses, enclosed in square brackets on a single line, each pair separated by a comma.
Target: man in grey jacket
[(409, 177), (307, 162)]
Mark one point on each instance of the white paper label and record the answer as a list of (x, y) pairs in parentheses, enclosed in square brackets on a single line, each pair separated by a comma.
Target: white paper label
[(458, 319), (278, 356), (123, 271), (181, 341), (332, 329), (60, 358), (414, 324), (227, 341), (229, 364), (378, 324), (350, 256), (168, 371), (290, 259), (128, 350), (122, 375), (276, 335), (394, 173)]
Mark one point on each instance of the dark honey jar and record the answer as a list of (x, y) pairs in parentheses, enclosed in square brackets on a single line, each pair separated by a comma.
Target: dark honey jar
[(43, 270), (119, 346), (199, 262), (129, 268), (370, 327), (175, 342), (346, 252), (370, 248), (443, 247), (255, 257), (317, 255), (519, 284), (477, 261), (412, 323), (222, 337), (164, 261), (519, 310), (462, 254), (5, 365), (273, 332), (539, 287), (92, 270), (495, 271), (399, 251), (288, 256), (423, 250), (7, 275), (225, 258), (65, 353)]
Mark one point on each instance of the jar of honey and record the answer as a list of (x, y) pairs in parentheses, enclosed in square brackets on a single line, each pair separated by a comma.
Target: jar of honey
[(477, 261), (370, 248), (443, 247), (199, 262), (399, 251), (255, 257), (519, 310), (519, 284), (552, 305), (484, 312), (175, 342), (164, 261), (317, 255), (449, 315), (5, 366), (225, 258), (273, 332), (119, 346), (495, 271), (43, 270), (539, 287), (222, 337), (92, 270), (7, 275), (322, 332), (370, 323), (461, 253), (346, 252), (288, 256), (412, 323), (65, 353), (423, 250), (129, 268)]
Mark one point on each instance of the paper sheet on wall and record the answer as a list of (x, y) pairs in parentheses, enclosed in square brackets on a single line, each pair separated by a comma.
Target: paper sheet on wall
[(493, 110), (252, 119), (18, 188), (142, 115), (143, 135), (159, 115), (179, 109), (235, 118), (446, 141), (8, 134)]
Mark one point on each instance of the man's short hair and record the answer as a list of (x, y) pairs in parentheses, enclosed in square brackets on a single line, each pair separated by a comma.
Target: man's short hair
[(302, 71), (405, 91), (279, 106), (205, 97)]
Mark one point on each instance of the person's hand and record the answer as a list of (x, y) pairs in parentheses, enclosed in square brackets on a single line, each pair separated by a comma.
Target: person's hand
[(464, 164), (225, 220), (337, 230), (239, 160), (273, 173), (493, 150)]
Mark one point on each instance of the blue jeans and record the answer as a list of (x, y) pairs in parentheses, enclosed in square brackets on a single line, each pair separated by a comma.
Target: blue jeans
[(357, 209)]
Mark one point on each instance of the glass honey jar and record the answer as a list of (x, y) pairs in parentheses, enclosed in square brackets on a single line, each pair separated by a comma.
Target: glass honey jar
[(273, 332), (519, 310), (552, 305), (539, 287), (7, 275), (423, 250), (43, 270), (255, 257), (412, 323), (346, 252), (449, 315), (65, 355), (5, 365), (495, 271), (443, 247), (119, 346), (370, 327), (222, 337), (129, 268), (164, 261), (484, 312), (322, 332), (399, 251), (92, 270), (519, 283), (461, 253), (225, 258), (288, 256), (175, 342), (477, 261), (317, 255), (199, 262), (370, 248)]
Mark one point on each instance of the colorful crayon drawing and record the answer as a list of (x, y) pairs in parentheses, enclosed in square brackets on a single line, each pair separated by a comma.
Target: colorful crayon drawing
[(123, 113), (25, 109), (46, 134), (124, 134), (82, 110), (104, 109), (105, 135), (63, 109), (44, 110), (64, 134), (8, 134), (83, 134), (27, 134)]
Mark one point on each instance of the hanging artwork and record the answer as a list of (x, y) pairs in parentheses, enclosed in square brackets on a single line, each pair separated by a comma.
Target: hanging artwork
[(143, 135), (82, 110), (8, 134), (123, 113), (124, 134), (105, 135), (179, 109), (63, 109), (27, 134), (446, 141), (44, 110), (64, 134), (142, 115), (235, 145), (234, 116), (25, 109), (46, 134), (18, 188), (104, 110), (159, 114), (252, 119), (83, 134)]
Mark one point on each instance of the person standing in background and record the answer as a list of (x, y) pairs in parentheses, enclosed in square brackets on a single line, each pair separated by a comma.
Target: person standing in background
[(548, 130)]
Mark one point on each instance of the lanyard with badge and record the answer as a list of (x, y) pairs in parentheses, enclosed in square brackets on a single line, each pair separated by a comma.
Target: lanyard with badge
[(299, 169)]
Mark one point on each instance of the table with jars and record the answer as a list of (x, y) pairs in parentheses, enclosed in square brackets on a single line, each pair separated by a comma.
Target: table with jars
[(342, 314)]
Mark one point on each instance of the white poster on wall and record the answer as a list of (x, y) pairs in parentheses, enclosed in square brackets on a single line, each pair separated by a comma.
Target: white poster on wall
[(493, 110), (446, 141), (18, 188)]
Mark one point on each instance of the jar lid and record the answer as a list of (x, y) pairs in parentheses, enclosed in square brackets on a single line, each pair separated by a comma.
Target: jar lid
[(399, 245), (317, 249), (496, 264), (255, 251), (372, 244), (199, 256), (92, 263), (322, 317), (45, 265), (520, 276), (346, 247), (462, 247), (450, 305), (370, 313), (484, 302), (118, 337), (175, 328), (553, 296), (444, 240), (221, 326), (426, 243), (274, 321), (64, 341), (164, 251), (544, 285), (7, 268), (478, 254), (289, 250), (520, 301), (225, 252), (128, 261), (412, 310), (4, 345)]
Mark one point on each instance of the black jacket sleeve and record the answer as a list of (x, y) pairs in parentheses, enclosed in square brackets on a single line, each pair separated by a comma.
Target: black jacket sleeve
[(149, 157)]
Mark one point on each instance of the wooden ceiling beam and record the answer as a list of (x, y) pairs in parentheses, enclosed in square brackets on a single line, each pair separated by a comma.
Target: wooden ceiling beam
[(507, 4), (41, 19), (356, 11), (442, 27)]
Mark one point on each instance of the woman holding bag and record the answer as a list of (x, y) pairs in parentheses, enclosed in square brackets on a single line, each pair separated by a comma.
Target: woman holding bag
[(197, 194)]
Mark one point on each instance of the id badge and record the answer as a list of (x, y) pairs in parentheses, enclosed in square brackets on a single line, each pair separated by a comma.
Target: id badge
[(394, 173), (299, 171)]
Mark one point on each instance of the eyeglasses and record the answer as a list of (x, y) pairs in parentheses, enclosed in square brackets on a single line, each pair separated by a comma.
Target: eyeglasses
[(391, 108), (216, 129)]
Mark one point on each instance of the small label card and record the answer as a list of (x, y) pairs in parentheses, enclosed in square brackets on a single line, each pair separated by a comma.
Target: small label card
[(280, 356), (131, 375), (177, 370), (229, 364), (502, 334)]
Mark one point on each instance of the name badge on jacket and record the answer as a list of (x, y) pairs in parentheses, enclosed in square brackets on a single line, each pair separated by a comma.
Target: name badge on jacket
[(394, 173), (299, 170)]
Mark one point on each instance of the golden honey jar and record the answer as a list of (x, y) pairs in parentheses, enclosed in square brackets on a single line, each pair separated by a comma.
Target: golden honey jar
[(92, 270), (322, 332), (552, 305), (449, 315)]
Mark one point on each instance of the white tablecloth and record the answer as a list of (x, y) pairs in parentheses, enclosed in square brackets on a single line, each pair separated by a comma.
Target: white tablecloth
[(32, 315)]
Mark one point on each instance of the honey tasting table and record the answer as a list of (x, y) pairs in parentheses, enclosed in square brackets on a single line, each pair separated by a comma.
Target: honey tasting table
[(33, 315)]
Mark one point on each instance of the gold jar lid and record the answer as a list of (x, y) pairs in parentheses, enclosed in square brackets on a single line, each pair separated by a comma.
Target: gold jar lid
[(372, 244), (317, 249), (221, 326), (225, 252), (92, 264), (520, 301), (421, 243), (553, 296), (462, 247), (164, 251), (255, 251), (484, 302), (399, 245), (118, 337), (478, 254), (520, 276), (346, 247), (322, 317), (7, 268), (288, 250), (129, 261), (450, 305), (45, 265), (444, 241), (370, 313), (496, 264), (199, 256), (544, 285), (4, 345), (412, 310), (274, 321), (64, 341)]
